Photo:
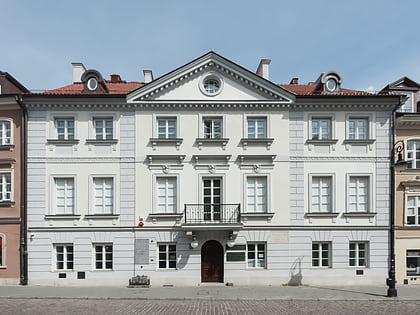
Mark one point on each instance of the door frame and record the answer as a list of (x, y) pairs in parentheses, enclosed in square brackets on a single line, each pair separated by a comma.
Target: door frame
[(222, 261)]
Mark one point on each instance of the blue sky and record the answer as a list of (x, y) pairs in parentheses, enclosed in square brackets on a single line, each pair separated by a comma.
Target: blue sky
[(370, 43)]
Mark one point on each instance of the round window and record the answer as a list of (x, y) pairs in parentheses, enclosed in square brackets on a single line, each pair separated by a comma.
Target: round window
[(331, 85), (211, 84), (92, 84)]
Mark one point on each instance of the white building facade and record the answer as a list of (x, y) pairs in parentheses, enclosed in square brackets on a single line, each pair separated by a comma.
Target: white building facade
[(210, 173)]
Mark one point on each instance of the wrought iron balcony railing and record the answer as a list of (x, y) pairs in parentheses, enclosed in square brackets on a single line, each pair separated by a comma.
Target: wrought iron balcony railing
[(212, 214)]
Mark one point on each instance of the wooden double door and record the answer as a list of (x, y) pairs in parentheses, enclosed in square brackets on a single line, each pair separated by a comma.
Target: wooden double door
[(212, 266)]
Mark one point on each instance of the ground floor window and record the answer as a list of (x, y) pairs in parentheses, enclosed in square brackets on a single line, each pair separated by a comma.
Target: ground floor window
[(103, 256), (413, 262), (167, 256), (256, 255), (358, 254), (2, 243), (321, 254), (64, 256)]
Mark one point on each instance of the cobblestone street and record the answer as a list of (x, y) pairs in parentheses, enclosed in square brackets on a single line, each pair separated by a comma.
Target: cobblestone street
[(118, 306)]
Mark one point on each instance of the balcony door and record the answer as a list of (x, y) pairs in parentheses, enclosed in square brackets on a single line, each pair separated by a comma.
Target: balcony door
[(212, 198)]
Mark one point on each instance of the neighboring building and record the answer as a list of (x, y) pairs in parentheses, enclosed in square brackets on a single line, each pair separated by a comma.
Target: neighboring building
[(407, 183), (11, 180), (210, 173)]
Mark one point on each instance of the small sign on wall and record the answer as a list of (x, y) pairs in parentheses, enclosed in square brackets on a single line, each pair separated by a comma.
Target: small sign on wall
[(141, 251)]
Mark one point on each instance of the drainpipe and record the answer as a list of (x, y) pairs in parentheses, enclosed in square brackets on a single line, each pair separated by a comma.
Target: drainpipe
[(23, 249)]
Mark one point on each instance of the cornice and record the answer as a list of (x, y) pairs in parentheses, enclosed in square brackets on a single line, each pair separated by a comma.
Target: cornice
[(70, 160), (338, 158)]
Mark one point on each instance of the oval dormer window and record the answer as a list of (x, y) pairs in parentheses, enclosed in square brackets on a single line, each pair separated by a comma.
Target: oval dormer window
[(92, 84), (331, 85), (211, 84)]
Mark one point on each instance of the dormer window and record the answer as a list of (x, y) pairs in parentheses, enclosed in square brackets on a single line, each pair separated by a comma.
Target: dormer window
[(331, 85), (92, 84), (330, 82)]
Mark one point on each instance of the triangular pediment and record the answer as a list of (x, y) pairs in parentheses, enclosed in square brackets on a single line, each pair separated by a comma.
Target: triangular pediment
[(235, 84), (404, 83)]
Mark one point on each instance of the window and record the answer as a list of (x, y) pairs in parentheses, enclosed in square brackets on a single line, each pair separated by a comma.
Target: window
[(407, 107), (256, 194), (257, 128), (358, 194), (321, 200), (321, 253), (321, 129), (5, 132), (167, 128), (166, 194), (65, 128), (103, 256), (413, 154), (5, 187), (413, 262), (358, 254), (104, 195), (64, 257), (256, 255), (92, 84), (103, 128), (64, 195), (2, 247), (211, 85), (167, 256), (413, 210), (358, 129), (212, 128)]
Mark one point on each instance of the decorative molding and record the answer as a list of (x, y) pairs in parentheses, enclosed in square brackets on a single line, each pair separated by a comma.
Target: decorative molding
[(158, 142), (208, 142), (359, 215), (155, 158), (63, 142), (7, 147), (10, 220), (257, 215), (301, 158), (62, 216), (257, 142), (70, 160)]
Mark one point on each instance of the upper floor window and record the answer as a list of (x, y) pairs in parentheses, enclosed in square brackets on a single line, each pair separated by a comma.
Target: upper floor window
[(65, 128), (166, 194), (256, 194), (358, 129), (407, 107), (104, 129), (103, 195), (167, 128), (413, 210), (321, 129), (413, 154), (212, 128), (64, 195), (5, 187), (257, 127), (358, 194), (321, 194), (5, 132)]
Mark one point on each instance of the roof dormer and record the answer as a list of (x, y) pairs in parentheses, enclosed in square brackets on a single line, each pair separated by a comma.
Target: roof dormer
[(330, 82), (93, 83)]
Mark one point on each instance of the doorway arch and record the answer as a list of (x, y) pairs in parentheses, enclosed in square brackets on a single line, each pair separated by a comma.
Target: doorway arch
[(212, 262)]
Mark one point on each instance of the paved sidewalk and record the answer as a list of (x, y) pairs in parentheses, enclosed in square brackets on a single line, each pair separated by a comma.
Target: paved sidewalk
[(219, 292)]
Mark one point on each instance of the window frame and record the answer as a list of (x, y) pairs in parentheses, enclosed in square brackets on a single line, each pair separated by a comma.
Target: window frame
[(103, 258), (10, 121), (413, 152), (331, 191), (167, 256), (203, 118), (3, 244), (92, 195), (267, 192), (256, 253), (65, 257), (54, 194), (357, 253), (330, 127), (320, 251), (406, 262), (155, 187), (3, 174), (368, 128), (167, 117), (104, 133), (416, 209), (66, 133), (369, 202), (248, 117)]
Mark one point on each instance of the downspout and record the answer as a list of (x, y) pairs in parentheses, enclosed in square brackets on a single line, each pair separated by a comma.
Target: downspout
[(23, 248)]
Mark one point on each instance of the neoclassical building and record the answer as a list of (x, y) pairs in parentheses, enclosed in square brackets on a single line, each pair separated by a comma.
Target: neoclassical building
[(209, 173)]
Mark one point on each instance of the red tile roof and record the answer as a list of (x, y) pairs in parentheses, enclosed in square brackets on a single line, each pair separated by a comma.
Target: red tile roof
[(113, 87), (310, 89)]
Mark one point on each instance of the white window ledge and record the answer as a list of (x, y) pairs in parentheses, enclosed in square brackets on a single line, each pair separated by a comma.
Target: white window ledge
[(257, 215), (321, 142), (359, 214), (166, 216), (102, 141), (63, 142), (101, 216), (359, 142), (209, 142), (322, 214), (62, 216)]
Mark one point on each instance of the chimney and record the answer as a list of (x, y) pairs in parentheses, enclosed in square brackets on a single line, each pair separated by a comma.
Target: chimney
[(78, 70), (148, 76), (115, 78), (294, 81), (262, 70)]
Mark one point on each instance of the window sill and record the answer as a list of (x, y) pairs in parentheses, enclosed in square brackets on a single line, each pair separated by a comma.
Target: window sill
[(321, 142), (102, 142), (322, 214), (257, 215), (359, 214), (63, 142), (62, 217), (63, 270), (158, 141), (7, 203), (5, 147), (214, 141), (3, 267), (257, 142), (166, 215), (359, 142), (167, 270), (101, 216)]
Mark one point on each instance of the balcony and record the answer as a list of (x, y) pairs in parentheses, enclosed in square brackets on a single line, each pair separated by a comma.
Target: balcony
[(219, 216)]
